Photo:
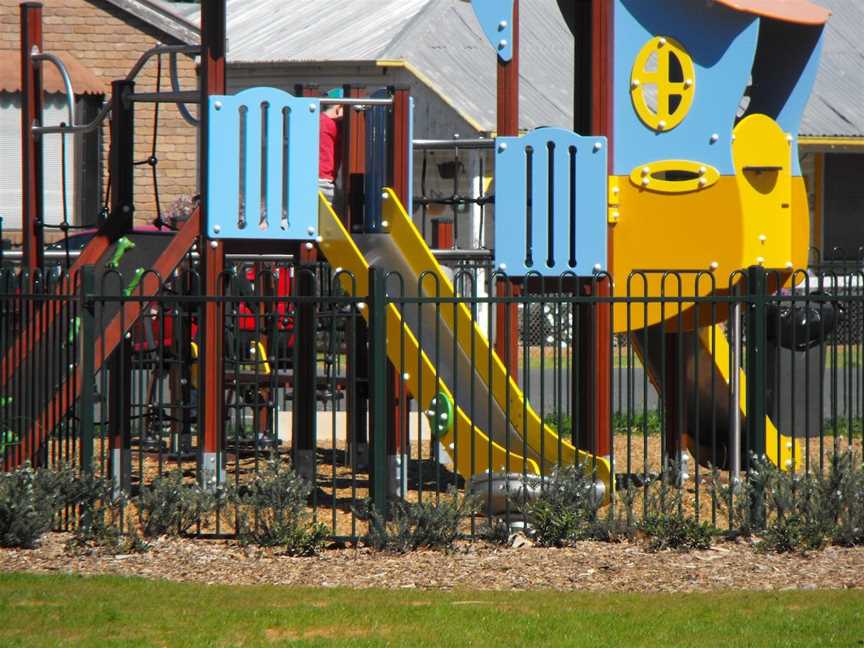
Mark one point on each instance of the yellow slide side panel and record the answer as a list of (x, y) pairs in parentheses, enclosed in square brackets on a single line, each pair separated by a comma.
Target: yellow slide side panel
[(540, 437), (789, 449), (403, 350), (658, 231)]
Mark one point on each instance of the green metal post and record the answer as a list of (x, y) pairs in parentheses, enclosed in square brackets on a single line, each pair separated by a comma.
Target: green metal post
[(378, 387), (757, 380), (86, 348)]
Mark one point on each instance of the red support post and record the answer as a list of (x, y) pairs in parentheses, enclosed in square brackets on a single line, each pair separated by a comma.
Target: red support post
[(506, 336), (213, 32), (31, 144), (602, 121), (397, 424)]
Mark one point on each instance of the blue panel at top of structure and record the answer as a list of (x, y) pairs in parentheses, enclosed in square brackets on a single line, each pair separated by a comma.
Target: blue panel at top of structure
[(721, 43), (550, 203), (787, 62), (262, 165), (496, 19)]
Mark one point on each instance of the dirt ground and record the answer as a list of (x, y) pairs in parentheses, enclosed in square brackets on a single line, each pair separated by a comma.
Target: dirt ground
[(590, 566)]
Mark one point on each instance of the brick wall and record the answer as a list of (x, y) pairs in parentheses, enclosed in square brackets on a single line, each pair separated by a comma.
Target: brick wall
[(109, 41)]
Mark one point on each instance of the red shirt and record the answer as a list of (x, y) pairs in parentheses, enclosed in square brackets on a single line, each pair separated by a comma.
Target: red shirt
[(329, 149)]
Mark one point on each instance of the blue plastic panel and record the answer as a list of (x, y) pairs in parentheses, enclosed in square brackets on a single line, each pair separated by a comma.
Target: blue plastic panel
[(722, 44), (263, 166), (784, 73), (496, 19), (550, 203)]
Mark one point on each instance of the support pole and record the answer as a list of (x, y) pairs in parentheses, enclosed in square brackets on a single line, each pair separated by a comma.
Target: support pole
[(506, 333), (121, 163), (397, 422), (378, 388), (31, 145), (593, 397), (87, 348), (757, 359), (211, 419), (353, 175), (305, 378)]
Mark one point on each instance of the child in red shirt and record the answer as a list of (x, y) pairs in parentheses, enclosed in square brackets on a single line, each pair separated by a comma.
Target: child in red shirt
[(330, 146)]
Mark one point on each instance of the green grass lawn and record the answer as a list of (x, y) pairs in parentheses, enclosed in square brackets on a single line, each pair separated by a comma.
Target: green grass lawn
[(113, 611)]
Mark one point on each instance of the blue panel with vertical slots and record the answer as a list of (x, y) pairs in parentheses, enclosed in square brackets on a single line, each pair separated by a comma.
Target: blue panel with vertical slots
[(550, 203), (262, 166), (496, 20)]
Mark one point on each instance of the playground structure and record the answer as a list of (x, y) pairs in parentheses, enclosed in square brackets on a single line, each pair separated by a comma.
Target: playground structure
[(678, 212)]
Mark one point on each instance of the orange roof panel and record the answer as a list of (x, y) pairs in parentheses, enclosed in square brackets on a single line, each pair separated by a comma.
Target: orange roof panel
[(802, 12), (83, 80)]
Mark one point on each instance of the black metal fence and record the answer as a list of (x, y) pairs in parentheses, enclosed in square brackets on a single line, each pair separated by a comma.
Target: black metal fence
[(632, 388)]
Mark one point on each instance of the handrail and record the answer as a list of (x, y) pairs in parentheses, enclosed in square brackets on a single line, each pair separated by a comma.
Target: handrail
[(67, 80), (436, 144), (160, 49), (187, 116)]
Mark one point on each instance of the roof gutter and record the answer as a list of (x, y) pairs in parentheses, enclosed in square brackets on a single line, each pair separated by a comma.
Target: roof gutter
[(831, 143)]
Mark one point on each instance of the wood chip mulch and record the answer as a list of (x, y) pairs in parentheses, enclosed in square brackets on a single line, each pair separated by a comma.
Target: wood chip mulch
[(589, 566)]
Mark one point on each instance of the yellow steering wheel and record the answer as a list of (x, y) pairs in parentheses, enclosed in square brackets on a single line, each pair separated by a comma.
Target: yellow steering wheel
[(674, 78)]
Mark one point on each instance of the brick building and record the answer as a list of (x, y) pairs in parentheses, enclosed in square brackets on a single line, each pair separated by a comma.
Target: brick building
[(101, 40)]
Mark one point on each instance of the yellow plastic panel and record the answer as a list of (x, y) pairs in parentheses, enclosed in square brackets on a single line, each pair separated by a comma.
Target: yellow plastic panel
[(800, 224), (657, 231), (791, 454), (674, 176), (763, 160), (403, 350), (653, 67), (540, 437)]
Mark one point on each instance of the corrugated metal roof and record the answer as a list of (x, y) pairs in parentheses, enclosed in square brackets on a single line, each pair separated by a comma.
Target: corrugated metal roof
[(442, 40), (836, 107)]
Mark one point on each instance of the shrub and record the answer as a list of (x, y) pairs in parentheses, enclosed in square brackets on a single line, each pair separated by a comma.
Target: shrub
[(171, 507), (100, 512), (418, 525), (272, 512), (666, 526), (794, 512), (29, 500), (566, 509)]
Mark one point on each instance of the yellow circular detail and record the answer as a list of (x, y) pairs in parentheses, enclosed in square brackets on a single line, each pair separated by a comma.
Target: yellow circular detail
[(663, 83)]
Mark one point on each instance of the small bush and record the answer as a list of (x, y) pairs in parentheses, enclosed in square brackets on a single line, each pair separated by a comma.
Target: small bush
[(29, 500), (99, 517), (272, 512), (665, 524), (566, 509), (419, 525), (793, 512), (171, 507)]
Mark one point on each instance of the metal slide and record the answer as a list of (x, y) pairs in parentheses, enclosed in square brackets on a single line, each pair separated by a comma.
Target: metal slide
[(440, 349), (707, 403)]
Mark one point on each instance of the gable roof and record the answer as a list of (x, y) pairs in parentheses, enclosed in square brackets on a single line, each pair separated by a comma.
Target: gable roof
[(444, 44), (836, 107), (440, 39)]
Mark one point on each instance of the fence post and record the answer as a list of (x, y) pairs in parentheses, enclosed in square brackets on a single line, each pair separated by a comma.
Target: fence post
[(378, 387), (87, 347), (757, 332)]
